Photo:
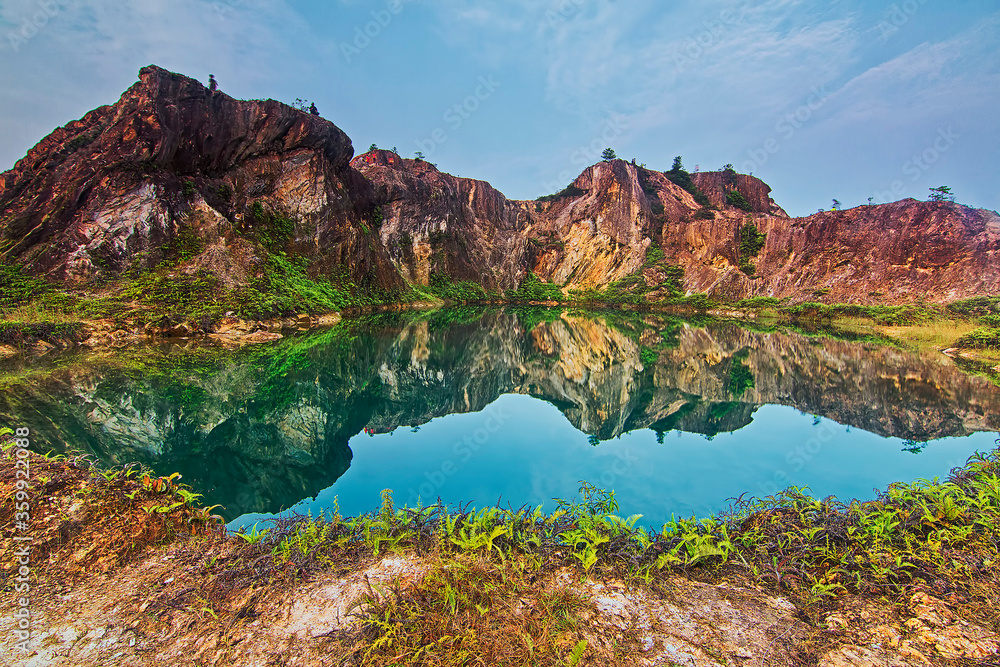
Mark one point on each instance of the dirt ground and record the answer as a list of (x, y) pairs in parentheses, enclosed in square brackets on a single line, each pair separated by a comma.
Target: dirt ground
[(114, 581)]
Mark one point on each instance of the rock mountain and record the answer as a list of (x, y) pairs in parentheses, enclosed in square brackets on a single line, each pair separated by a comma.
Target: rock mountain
[(173, 165)]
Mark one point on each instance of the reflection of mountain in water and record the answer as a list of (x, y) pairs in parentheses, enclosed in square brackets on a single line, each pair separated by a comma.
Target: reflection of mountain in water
[(259, 429)]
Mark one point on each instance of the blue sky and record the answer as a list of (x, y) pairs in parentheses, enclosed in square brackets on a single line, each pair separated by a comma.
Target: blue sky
[(843, 99)]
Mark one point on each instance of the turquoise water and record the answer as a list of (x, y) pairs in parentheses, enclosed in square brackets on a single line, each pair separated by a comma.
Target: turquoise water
[(527, 453), (512, 407)]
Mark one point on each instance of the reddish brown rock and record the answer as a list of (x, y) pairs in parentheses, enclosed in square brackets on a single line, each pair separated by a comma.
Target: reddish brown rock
[(115, 189), (434, 223), (172, 163), (717, 184)]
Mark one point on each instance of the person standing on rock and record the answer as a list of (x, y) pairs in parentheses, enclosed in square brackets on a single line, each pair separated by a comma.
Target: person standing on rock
[(313, 110), (213, 85)]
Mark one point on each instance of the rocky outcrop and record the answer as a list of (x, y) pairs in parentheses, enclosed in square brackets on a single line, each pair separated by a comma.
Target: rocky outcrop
[(175, 164), (717, 184), (175, 171), (438, 225), (879, 254), (599, 229)]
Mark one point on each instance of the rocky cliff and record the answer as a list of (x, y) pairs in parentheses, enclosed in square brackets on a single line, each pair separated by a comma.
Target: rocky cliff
[(599, 229), (173, 164), (438, 226), (176, 172)]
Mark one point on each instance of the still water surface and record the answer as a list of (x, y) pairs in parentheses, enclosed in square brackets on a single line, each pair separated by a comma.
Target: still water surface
[(481, 407)]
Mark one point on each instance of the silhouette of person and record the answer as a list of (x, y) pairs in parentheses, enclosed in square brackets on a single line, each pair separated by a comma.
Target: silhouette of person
[(313, 110), (213, 85)]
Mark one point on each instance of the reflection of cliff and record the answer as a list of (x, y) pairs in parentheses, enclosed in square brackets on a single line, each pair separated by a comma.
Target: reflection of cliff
[(259, 429), (595, 373)]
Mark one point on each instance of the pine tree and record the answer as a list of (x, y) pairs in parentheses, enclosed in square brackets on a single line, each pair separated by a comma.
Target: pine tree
[(941, 193)]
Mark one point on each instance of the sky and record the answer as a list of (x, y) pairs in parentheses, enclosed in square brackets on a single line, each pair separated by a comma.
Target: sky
[(844, 99)]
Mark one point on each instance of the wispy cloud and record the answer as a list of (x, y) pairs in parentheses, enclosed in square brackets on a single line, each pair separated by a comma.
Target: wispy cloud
[(87, 53), (931, 80)]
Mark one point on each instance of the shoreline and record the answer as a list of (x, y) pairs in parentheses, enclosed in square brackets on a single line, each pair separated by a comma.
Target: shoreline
[(231, 331), (128, 568)]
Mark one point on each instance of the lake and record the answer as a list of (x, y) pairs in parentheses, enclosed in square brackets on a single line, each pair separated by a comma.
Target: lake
[(481, 406)]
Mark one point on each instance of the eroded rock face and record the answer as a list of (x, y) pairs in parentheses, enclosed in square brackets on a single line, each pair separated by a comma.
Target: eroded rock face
[(717, 184), (172, 165), (172, 159), (434, 223), (600, 230)]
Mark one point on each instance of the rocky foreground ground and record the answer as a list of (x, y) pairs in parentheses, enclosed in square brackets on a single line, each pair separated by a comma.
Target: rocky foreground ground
[(126, 569)]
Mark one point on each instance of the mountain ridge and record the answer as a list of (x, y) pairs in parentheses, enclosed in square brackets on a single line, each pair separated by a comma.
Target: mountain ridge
[(176, 176)]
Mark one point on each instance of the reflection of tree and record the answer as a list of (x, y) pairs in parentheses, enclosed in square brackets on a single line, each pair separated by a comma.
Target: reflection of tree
[(914, 446), (280, 417)]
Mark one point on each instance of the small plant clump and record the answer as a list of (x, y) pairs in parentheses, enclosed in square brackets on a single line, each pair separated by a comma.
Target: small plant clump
[(751, 242), (736, 198), (533, 288), (489, 590), (570, 190)]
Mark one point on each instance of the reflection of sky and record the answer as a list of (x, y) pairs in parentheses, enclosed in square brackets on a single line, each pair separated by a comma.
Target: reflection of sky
[(534, 454)]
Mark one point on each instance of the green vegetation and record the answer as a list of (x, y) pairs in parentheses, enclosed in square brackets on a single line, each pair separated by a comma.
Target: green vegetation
[(736, 198), (678, 176), (980, 306), (608, 155), (272, 229), (654, 256), (569, 191), (443, 287), (883, 315), (751, 243), (25, 334), (812, 550), (981, 338), (941, 193), (17, 289), (532, 288), (633, 289), (740, 376)]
